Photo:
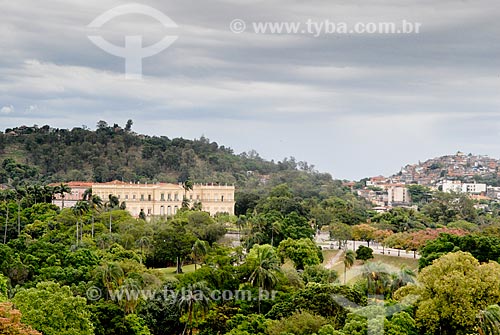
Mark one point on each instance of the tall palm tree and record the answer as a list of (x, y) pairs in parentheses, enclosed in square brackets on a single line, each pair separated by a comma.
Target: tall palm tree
[(200, 249), (7, 196), (95, 203), (193, 299), (143, 242), (20, 194), (275, 228), (80, 208), (48, 193), (489, 321), (187, 186), (111, 204), (62, 190), (349, 259), (264, 265)]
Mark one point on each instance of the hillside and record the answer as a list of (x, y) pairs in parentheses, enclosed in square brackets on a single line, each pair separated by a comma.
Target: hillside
[(46, 154), (460, 166)]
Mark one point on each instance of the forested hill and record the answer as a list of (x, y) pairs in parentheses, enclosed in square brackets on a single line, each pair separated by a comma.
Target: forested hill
[(45, 154)]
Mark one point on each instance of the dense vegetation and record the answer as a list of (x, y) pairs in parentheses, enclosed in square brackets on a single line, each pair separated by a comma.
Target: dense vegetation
[(94, 269)]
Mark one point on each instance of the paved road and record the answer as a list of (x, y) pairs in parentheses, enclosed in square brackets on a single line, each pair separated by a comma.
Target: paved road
[(323, 239)]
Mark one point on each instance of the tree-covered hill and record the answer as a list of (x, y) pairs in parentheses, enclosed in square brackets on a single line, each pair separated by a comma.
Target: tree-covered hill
[(45, 154)]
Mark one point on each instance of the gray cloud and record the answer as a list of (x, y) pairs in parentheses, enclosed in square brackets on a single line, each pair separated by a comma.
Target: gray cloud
[(353, 105)]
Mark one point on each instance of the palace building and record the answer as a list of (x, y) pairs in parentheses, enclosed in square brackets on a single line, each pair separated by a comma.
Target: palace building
[(161, 198)]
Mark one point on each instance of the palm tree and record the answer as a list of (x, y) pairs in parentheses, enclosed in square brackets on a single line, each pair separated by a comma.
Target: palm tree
[(377, 277), (62, 190), (143, 242), (80, 208), (402, 278), (200, 249), (349, 259), (489, 321), (187, 186), (111, 274), (110, 205), (95, 203), (131, 286), (48, 193), (275, 228), (20, 194), (6, 195), (193, 299), (264, 265)]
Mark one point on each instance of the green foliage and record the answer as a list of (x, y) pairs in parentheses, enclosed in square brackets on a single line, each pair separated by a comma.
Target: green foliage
[(319, 299), (364, 253), (303, 323), (449, 207), (483, 248), (3, 288), (302, 252), (451, 293), (54, 310), (319, 274)]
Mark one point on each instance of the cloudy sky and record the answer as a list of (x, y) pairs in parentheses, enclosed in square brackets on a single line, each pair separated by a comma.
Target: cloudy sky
[(354, 105)]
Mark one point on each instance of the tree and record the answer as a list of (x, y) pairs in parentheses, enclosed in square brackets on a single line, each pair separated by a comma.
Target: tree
[(364, 253), (128, 126), (193, 300), (54, 310), (10, 321), (364, 232), (302, 252), (264, 267), (111, 275), (489, 321), (143, 242), (452, 292), (62, 190), (340, 232), (377, 277), (187, 185), (349, 258), (200, 249), (80, 208)]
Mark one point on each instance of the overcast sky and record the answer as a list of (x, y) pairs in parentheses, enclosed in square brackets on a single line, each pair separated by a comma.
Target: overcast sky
[(354, 105)]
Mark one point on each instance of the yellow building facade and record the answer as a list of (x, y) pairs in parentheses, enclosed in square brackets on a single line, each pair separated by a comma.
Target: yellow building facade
[(166, 199)]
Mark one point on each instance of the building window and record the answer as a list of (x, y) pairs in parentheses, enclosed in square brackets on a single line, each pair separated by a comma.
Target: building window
[(175, 209), (169, 197), (133, 197), (169, 210), (222, 198), (126, 196), (149, 197), (142, 197), (162, 197), (149, 211), (162, 210), (176, 197), (191, 197)]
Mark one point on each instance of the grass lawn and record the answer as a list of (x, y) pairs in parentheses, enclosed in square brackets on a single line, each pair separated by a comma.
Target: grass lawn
[(335, 261), (170, 271)]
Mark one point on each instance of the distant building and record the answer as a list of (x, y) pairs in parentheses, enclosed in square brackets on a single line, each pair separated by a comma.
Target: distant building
[(78, 188), (459, 187), (155, 199), (398, 195)]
